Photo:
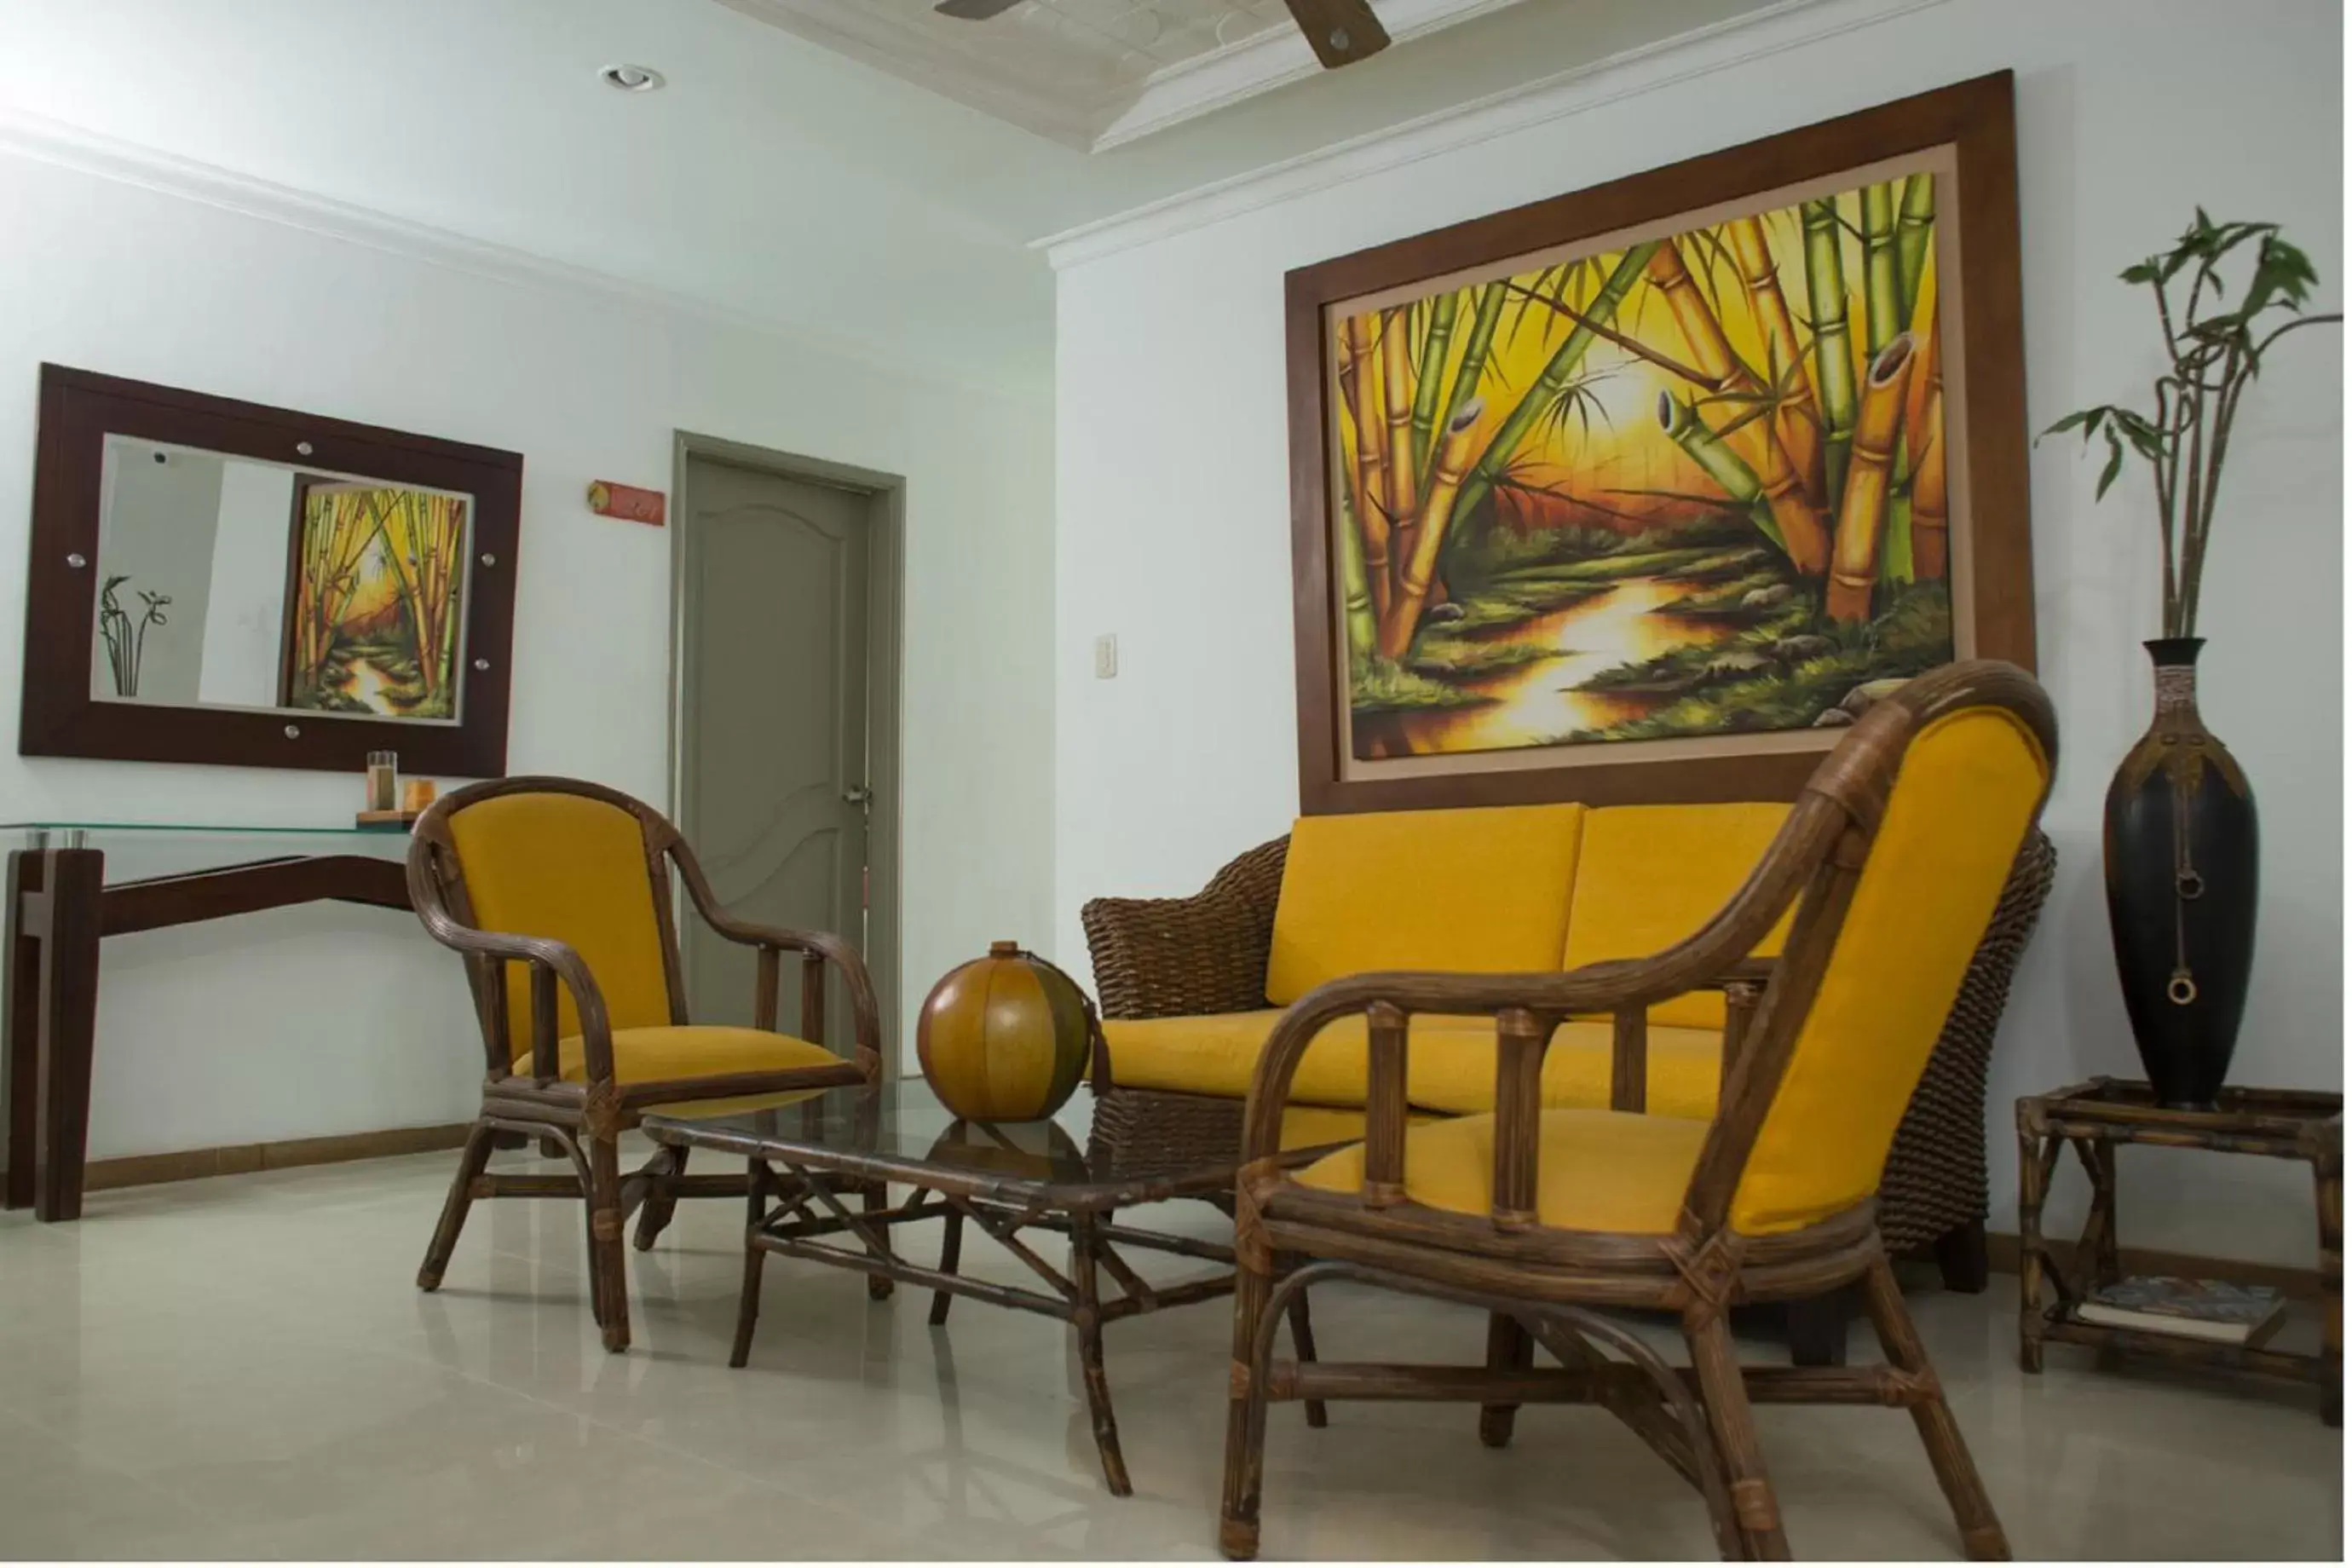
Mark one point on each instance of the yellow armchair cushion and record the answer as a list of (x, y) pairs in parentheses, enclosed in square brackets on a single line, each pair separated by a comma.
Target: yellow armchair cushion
[(690, 1050), (1595, 1170), (567, 866), (1479, 889), (1959, 813), (1449, 1061), (1649, 875)]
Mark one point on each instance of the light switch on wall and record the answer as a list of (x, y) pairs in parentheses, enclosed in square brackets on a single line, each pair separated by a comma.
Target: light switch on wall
[(1107, 656)]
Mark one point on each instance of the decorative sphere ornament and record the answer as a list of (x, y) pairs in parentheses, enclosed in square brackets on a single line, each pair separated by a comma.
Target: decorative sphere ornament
[(1005, 1037)]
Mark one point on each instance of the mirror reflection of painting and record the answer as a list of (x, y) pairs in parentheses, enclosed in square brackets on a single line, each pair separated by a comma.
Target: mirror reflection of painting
[(229, 581), (1694, 487), (372, 610)]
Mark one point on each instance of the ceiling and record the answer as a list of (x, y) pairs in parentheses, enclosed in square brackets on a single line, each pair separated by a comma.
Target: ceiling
[(1093, 74), (773, 177)]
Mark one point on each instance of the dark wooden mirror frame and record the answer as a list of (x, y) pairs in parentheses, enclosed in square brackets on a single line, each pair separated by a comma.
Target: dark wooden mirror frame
[(59, 718)]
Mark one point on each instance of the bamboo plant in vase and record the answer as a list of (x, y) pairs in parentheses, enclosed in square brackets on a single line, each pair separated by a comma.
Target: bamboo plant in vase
[(2180, 832)]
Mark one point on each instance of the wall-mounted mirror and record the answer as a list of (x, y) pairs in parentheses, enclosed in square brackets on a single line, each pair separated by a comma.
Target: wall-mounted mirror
[(224, 582), (220, 582)]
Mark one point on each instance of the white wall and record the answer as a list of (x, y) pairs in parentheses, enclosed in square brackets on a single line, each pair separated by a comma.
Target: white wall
[(1173, 456), (323, 1020)]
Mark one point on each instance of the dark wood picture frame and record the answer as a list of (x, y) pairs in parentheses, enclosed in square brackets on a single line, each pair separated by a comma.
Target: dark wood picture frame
[(59, 718), (1974, 119)]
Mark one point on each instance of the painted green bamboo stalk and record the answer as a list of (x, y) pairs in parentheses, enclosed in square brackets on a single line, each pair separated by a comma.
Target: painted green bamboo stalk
[(1724, 465), (1555, 377), (1832, 343), (1895, 551), (1356, 592), (1429, 390), (1909, 245), (1882, 276), (1476, 348), (1913, 231)]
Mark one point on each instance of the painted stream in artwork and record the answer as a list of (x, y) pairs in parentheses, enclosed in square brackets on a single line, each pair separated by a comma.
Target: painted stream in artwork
[(366, 686), (1627, 625)]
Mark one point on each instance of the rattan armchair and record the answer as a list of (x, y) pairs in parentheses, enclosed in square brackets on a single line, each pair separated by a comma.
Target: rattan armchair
[(558, 894), (1894, 859)]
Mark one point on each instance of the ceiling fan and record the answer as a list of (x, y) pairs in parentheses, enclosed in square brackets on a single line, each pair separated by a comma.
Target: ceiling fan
[(1340, 32)]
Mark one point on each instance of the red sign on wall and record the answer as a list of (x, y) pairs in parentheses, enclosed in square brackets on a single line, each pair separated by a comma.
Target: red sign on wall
[(606, 498)]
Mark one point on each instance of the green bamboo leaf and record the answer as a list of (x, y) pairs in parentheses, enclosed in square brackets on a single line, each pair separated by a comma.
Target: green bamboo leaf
[(2115, 466), (2088, 420)]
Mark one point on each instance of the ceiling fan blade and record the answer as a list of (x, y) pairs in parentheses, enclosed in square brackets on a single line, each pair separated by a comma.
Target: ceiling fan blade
[(974, 10), (1340, 32)]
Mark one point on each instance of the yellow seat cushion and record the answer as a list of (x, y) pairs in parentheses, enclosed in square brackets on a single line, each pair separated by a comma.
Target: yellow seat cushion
[(1649, 875), (1483, 889), (1449, 1061), (1313, 1126), (1686, 1070), (1960, 809), (1217, 1053), (1595, 1170), (690, 1050)]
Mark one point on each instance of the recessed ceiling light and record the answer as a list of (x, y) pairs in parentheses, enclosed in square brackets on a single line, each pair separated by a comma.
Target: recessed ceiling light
[(632, 79)]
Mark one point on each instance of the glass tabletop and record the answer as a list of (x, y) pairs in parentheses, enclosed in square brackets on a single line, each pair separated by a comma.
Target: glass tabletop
[(226, 829), (900, 1131)]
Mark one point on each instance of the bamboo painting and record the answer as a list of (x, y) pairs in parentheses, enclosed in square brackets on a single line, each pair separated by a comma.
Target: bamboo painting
[(1696, 486), (373, 606)]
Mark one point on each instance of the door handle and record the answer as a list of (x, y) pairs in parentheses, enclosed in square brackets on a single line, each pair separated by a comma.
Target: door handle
[(858, 795)]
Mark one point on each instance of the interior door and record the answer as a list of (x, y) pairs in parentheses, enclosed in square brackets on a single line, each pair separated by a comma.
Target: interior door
[(772, 725)]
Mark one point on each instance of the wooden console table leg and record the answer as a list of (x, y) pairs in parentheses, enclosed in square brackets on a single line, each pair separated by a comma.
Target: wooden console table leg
[(74, 884), (2330, 1172), (23, 1028)]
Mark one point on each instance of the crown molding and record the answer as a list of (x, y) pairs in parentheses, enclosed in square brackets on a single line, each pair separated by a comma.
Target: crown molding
[(38, 138), (1702, 51), (1208, 82)]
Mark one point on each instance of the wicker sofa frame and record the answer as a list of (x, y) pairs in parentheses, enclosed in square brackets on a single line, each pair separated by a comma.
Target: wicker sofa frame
[(1157, 958)]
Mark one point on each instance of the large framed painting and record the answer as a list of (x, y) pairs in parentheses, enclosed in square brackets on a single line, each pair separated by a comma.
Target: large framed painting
[(1644, 492)]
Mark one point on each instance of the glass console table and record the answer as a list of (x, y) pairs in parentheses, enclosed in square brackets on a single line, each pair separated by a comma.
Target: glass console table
[(71, 885)]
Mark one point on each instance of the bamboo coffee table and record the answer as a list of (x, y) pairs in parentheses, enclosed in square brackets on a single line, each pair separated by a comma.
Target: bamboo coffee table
[(810, 1154)]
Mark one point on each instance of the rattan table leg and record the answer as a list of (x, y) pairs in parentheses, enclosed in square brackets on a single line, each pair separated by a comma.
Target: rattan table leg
[(1087, 1321), (747, 1306), (2032, 1189), (950, 1256)]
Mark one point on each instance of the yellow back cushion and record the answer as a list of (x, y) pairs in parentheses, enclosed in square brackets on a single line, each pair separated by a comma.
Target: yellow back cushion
[(566, 866), (1650, 876), (1960, 811), (1477, 889)]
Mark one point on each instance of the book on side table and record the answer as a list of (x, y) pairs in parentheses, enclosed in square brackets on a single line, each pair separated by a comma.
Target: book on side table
[(2210, 1310)]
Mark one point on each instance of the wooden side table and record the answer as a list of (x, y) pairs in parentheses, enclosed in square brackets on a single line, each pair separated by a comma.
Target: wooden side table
[(2095, 1117)]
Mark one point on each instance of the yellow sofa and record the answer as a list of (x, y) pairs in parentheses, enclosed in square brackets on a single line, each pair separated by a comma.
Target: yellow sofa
[(1191, 987)]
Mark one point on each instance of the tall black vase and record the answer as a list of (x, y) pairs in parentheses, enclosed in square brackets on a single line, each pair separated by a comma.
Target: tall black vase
[(2182, 855)]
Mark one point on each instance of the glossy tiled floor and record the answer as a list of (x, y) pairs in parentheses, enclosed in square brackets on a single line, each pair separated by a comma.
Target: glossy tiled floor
[(242, 1368)]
